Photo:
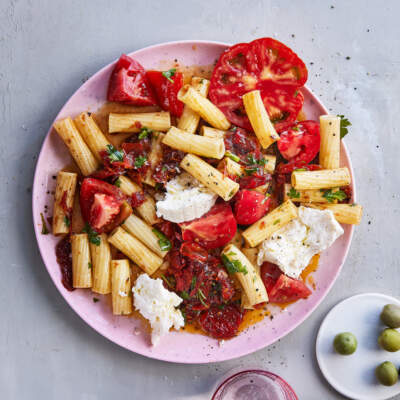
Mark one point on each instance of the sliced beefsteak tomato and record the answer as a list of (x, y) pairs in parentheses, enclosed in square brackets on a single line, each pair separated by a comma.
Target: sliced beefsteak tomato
[(301, 142), (214, 229), (266, 65), (250, 206), (167, 89), (100, 203), (129, 84)]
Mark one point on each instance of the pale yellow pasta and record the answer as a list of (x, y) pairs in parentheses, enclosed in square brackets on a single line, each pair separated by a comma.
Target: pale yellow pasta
[(154, 157), (121, 284), (249, 279), (259, 118), (189, 119), (92, 134), (344, 213), (231, 168), (157, 121), (306, 196), (101, 268), (202, 106), (329, 153), (213, 133), (63, 202), (251, 254), (322, 179), (209, 176), (194, 144), (135, 250), (147, 210), (270, 163), (237, 240), (272, 222), (262, 189), (79, 150), (144, 232), (81, 262)]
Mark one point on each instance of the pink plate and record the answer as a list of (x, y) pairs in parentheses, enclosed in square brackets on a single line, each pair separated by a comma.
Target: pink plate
[(127, 332)]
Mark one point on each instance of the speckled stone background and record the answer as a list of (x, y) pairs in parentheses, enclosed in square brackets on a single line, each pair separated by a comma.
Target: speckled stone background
[(48, 48)]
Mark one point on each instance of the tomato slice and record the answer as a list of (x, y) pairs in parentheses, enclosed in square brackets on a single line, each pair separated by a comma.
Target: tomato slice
[(250, 206), (214, 229), (291, 166), (266, 65), (287, 290), (167, 91), (129, 84), (300, 142), (221, 322), (99, 210), (194, 251)]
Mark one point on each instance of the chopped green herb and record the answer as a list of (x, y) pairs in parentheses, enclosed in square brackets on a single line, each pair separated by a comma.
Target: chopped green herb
[(250, 171), (168, 74), (233, 129), (201, 297), (114, 154), (144, 132), (300, 169), (233, 157), (296, 93), (67, 221), (184, 295), (332, 196), (165, 279), (231, 193), (267, 196), (193, 283), (95, 300), (233, 266), (90, 266), (295, 128), (276, 221), (93, 235), (344, 123), (293, 194), (45, 231), (117, 183), (140, 161), (163, 241)]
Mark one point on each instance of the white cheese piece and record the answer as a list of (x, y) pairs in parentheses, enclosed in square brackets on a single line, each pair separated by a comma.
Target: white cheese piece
[(293, 246), (186, 199), (157, 304)]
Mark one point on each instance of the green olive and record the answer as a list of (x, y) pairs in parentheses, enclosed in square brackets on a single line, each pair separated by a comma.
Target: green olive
[(345, 343), (389, 340), (386, 373), (390, 316)]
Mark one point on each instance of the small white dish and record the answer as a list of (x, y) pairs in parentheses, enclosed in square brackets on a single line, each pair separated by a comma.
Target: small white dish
[(354, 375)]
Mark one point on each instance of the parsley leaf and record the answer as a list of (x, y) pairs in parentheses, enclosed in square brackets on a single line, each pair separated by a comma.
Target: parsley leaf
[(233, 266), (344, 123), (201, 297), (332, 196), (193, 283), (114, 154), (295, 128), (276, 221), (163, 241), (296, 93), (117, 183), (232, 156), (144, 132), (293, 194), (67, 221), (168, 74), (300, 169), (45, 230), (184, 295), (140, 161), (165, 279), (250, 171), (92, 234), (267, 196)]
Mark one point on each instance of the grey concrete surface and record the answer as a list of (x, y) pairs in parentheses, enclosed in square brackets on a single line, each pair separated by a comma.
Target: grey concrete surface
[(48, 47)]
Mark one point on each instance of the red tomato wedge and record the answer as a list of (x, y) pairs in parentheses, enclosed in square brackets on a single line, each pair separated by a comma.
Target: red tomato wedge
[(100, 202), (287, 290), (166, 90), (266, 65), (129, 84), (301, 142), (250, 206), (269, 274), (221, 323), (214, 229)]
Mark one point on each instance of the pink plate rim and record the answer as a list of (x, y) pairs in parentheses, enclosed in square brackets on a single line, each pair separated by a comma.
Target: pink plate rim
[(197, 358)]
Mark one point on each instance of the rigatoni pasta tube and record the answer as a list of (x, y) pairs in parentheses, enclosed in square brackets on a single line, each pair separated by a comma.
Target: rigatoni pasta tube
[(212, 132), (329, 153), (251, 254), (251, 282), (195, 144), (121, 287), (79, 150), (209, 176), (81, 263), (270, 162), (230, 167), (92, 134), (157, 121), (147, 210), (259, 119), (272, 222), (344, 213), (202, 106), (189, 119), (63, 202), (305, 196), (135, 250), (145, 233), (154, 157), (322, 179), (101, 258)]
